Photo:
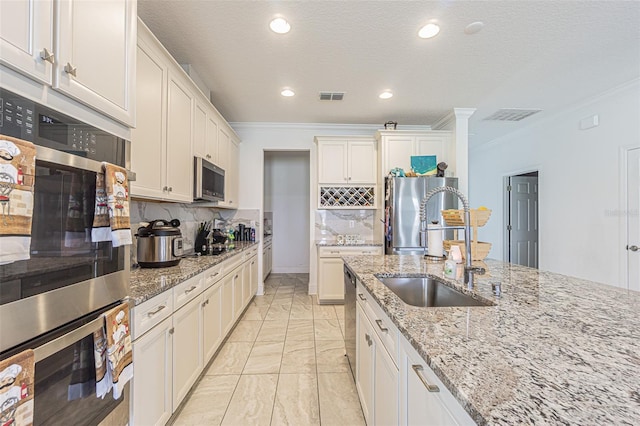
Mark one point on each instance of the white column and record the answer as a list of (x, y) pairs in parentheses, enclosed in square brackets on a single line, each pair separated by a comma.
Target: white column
[(461, 139)]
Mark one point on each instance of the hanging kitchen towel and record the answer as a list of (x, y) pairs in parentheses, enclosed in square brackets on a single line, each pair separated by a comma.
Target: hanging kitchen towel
[(112, 189), (17, 389), (17, 177), (104, 382), (119, 351)]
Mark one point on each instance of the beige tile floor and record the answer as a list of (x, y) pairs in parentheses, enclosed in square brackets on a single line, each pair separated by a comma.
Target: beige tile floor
[(283, 364)]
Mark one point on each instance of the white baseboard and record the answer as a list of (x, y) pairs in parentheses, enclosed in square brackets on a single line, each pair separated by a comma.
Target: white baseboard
[(291, 270)]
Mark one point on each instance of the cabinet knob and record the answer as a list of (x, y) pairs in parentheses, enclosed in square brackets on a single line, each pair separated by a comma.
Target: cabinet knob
[(70, 69), (368, 339), (171, 330), (633, 248), (170, 189), (47, 55), (165, 188)]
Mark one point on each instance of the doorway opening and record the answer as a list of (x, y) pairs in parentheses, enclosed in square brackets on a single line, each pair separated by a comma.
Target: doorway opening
[(286, 209), (521, 217)]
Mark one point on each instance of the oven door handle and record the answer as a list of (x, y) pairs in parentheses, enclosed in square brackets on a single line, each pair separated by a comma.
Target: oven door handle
[(50, 348), (54, 156)]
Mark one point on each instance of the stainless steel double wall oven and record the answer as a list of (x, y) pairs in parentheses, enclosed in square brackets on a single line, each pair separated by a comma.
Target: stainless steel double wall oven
[(54, 301)]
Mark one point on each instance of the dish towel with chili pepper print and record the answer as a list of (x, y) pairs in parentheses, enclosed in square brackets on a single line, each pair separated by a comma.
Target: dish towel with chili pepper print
[(111, 220), (17, 388), (17, 177)]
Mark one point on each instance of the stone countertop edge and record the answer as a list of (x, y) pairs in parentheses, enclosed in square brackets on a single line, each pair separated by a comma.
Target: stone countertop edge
[(367, 243), (551, 350), (146, 283)]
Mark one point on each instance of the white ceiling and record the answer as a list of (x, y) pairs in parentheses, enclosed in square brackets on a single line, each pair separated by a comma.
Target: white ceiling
[(530, 54)]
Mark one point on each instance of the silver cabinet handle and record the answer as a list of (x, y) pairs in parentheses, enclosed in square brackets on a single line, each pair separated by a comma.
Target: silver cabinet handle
[(152, 313), (379, 322), (418, 370), (193, 287), (216, 274), (172, 330), (335, 251), (70, 69), (205, 303), (170, 189), (165, 188), (361, 296), (633, 248), (236, 277), (47, 55)]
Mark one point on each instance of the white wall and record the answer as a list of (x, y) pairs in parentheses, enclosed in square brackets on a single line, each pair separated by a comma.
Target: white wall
[(259, 137), (580, 184), (286, 192)]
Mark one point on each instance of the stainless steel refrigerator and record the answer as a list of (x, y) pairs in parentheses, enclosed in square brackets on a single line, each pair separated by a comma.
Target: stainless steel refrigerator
[(403, 196)]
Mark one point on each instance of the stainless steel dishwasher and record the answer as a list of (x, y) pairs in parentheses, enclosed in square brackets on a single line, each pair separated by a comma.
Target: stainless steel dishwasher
[(350, 318)]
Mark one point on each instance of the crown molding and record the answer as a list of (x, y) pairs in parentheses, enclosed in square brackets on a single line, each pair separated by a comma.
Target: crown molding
[(369, 128)]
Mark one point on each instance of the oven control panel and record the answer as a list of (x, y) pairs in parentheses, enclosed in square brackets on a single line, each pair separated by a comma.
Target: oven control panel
[(24, 119)]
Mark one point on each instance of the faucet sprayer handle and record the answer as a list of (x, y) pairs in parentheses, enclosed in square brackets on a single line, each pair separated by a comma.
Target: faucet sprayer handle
[(475, 269)]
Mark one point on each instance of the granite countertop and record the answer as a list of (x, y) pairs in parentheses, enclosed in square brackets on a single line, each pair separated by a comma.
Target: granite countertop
[(553, 350), (148, 282), (333, 243)]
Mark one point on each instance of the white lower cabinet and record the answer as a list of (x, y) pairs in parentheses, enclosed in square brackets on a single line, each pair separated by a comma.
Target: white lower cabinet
[(152, 384), (253, 274), (177, 332), (187, 352), (331, 270), (404, 393)]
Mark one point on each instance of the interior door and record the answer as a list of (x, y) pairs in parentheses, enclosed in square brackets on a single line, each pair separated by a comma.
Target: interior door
[(523, 220), (633, 219)]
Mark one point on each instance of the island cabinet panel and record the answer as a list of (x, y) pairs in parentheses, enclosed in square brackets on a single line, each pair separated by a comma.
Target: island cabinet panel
[(152, 383), (365, 366), (227, 303), (211, 321)]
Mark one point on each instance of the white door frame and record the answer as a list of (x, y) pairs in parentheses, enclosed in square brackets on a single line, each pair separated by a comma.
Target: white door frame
[(505, 210), (623, 224)]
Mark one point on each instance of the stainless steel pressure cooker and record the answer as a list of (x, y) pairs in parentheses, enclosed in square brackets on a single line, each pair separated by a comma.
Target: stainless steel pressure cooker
[(159, 244)]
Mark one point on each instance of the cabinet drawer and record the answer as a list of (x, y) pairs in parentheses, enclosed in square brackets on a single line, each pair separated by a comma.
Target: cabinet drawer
[(213, 275), (233, 262), (186, 291), (150, 313), (384, 328), (251, 252), (348, 251)]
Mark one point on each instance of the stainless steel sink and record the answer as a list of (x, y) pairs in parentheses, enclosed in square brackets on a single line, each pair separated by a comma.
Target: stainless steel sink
[(429, 292)]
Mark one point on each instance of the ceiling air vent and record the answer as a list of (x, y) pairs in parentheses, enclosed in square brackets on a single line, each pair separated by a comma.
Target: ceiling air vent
[(512, 114), (331, 96)]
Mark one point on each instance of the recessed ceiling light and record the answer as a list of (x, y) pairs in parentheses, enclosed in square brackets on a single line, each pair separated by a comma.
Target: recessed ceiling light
[(386, 94), (280, 26), (474, 27), (288, 93), (428, 31)]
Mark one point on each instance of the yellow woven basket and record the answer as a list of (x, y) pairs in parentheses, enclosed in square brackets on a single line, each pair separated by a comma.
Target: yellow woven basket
[(456, 217)]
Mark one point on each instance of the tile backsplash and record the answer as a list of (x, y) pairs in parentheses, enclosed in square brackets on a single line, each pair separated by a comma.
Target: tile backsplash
[(190, 217)]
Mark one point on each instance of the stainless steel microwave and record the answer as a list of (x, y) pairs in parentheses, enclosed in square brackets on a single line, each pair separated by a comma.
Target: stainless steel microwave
[(208, 181)]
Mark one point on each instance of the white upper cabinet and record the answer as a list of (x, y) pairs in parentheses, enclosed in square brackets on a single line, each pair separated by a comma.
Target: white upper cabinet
[(179, 164), (397, 147), (26, 38), (95, 55), (200, 131), (148, 146), (346, 160)]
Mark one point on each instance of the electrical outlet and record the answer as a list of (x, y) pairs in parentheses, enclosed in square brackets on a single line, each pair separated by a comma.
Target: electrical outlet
[(352, 224)]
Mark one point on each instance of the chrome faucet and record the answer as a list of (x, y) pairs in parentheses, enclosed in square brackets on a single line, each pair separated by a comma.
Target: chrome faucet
[(469, 270)]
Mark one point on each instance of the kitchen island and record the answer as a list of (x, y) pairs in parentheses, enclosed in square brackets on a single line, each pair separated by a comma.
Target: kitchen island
[(553, 350)]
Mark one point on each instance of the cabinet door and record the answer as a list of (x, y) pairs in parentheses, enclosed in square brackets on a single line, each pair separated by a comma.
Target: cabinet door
[(96, 54), (211, 321), (200, 131), (432, 145), (332, 162), (397, 152), (265, 272), (187, 348), (223, 149), (253, 275), (26, 30), (231, 176), (246, 284), (212, 139), (179, 160), (385, 399), (237, 293), (269, 258), (365, 352), (362, 162), (330, 279), (422, 406), (227, 304), (153, 382), (148, 139)]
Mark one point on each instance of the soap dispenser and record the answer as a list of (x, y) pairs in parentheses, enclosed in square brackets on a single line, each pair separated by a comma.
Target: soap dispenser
[(450, 266)]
